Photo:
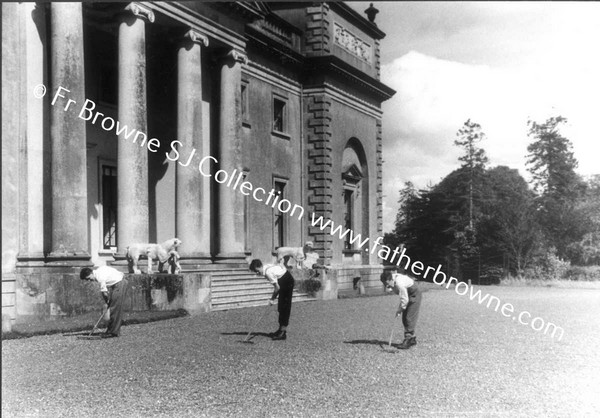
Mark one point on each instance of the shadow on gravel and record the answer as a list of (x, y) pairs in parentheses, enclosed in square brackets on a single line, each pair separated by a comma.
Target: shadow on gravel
[(367, 342), (254, 334), (83, 323)]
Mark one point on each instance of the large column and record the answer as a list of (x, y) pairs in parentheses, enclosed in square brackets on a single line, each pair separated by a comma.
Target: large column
[(132, 164), (193, 189), (230, 235), (67, 135), (31, 224)]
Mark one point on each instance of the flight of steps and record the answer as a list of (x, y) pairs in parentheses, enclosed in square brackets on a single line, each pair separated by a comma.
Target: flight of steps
[(239, 288)]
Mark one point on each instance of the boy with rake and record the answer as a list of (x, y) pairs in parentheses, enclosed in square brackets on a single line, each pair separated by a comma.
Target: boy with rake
[(410, 302), (283, 284)]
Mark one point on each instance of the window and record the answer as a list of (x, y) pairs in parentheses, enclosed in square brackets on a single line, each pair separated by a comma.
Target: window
[(245, 113), (108, 83), (109, 206), (348, 216), (279, 115), (351, 181), (278, 216)]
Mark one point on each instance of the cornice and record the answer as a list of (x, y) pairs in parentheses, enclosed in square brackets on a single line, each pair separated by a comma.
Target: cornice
[(334, 65)]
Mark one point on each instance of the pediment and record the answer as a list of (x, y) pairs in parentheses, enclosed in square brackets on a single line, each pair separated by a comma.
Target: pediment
[(352, 173)]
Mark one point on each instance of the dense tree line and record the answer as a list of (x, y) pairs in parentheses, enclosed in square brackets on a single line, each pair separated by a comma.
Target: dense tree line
[(482, 223)]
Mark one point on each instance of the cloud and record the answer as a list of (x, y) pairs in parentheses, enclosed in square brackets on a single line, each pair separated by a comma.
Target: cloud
[(496, 63), (435, 97)]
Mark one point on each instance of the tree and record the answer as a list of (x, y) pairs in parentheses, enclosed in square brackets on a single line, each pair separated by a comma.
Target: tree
[(551, 161), (552, 166), (586, 251), (509, 227), (474, 158), (407, 195)]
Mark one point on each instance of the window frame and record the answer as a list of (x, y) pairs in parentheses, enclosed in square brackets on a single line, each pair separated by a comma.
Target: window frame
[(282, 234), (112, 165), (284, 131), (351, 182), (245, 107)]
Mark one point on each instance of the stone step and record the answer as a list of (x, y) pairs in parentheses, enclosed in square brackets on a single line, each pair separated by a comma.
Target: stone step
[(240, 291), (250, 301), (236, 287), (231, 277)]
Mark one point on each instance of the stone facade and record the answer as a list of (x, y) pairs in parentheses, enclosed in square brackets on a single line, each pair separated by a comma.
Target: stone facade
[(226, 124)]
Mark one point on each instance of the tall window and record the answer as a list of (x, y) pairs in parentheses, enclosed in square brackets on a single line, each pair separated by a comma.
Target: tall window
[(278, 216), (109, 206), (279, 115), (348, 216), (351, 180)]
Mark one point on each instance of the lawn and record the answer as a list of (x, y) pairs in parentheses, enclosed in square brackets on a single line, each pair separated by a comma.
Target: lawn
[(469, 361)]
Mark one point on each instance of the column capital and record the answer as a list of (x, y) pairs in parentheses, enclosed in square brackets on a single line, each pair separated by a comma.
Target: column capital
[(233, 55), (196, 37), (141, 11), (238, 56)]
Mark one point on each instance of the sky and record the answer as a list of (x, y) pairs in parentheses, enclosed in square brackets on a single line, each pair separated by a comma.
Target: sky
[(499, 64)]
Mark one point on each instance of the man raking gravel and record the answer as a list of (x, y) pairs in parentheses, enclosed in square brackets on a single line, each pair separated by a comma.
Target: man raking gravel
[(410, 302), (114, 288), (283, 284)]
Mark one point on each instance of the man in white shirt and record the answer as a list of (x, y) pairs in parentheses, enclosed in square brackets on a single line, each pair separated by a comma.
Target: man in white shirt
[(283, 284), (410, 302), (114, 288)]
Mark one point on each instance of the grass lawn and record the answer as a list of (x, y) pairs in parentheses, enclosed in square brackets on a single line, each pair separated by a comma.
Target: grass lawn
[(469, 361)]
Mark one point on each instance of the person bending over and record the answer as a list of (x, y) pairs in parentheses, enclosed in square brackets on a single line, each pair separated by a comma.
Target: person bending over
[(283, 284), (410, 302), (114, 288)]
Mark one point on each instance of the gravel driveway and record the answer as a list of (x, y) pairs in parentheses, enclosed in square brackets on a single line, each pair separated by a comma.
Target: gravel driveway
[(469, 361)]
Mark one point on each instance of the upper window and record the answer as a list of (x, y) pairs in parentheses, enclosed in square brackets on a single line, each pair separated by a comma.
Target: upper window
[(245, 112), (280, 115)]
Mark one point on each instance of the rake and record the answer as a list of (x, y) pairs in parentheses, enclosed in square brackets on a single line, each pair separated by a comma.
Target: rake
[(247, 339)]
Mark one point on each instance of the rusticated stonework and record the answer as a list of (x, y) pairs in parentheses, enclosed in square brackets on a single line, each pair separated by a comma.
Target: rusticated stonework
[(320, 169), (379, 140), (317, 41)]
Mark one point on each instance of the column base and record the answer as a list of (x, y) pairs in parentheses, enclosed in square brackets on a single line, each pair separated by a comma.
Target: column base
[(29, 263), (33, 259), (232, 258), (193, 261)]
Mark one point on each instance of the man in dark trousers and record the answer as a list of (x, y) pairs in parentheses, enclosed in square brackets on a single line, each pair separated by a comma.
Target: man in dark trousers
[(114, 288), (410, 302), (283, 284)]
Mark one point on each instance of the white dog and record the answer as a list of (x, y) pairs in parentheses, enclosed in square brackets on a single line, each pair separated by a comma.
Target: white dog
[(297, 253), (162, 252)]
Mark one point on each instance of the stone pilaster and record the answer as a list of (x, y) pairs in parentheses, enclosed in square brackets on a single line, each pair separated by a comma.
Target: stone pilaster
[(132, 164), (320, 178), (378, 58), (317, 34), (68, 138), (193, 189), (379, 150), (230, 234)]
